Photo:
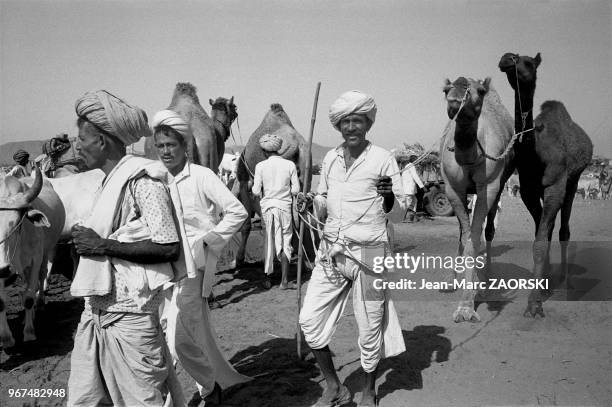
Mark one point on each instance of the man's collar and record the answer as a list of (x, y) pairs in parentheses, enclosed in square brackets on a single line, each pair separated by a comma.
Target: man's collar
[(184, 173), (340, 148)]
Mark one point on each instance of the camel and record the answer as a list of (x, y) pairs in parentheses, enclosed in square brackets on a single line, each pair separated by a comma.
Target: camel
[(549, 161), (209, 132), (276, 121), (475, 160)]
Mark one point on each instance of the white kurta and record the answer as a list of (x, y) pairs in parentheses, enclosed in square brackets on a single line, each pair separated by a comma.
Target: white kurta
[(190, 335), (356, 222), (277, 181)]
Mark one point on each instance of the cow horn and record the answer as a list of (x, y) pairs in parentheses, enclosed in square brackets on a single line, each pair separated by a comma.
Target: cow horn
[(23, 199), (34, 190)]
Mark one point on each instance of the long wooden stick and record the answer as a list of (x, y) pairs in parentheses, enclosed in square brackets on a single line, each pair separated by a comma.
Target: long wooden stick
[(305, 189)]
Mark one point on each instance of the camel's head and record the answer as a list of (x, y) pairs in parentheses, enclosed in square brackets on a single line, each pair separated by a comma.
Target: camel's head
[(520, 69), (464, 98), (224, 110)]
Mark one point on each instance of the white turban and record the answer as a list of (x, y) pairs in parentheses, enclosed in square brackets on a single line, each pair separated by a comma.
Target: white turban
[(352, 102), (172, 119), (270, 142), (114, 116)]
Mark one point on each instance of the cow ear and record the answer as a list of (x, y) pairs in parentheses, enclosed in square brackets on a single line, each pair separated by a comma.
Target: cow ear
[(211, 102), (38, 218)]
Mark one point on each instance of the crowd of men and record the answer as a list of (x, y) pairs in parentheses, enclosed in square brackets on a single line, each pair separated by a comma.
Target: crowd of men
[(148, 253)]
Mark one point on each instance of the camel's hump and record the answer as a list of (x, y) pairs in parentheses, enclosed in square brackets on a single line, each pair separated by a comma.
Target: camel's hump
[(185, 88)]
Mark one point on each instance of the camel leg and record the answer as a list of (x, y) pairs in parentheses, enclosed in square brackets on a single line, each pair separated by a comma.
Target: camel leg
[(247, 202), (487, 197), (530, 195), (553, 198), (458, 199), (564, 229)]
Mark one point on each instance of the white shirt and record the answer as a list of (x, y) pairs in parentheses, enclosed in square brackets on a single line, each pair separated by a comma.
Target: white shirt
[(203, 197), (354, 208), (278, 179), (410, 179)]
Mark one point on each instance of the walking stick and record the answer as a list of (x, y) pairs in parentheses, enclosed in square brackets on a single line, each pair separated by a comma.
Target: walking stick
[(305, 189)]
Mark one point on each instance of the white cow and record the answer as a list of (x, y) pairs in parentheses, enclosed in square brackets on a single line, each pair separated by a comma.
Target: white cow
[(228, 167), (31, 220), (77, 193)]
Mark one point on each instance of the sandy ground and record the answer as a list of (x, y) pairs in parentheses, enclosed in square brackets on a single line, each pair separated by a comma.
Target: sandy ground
[(561, 360)]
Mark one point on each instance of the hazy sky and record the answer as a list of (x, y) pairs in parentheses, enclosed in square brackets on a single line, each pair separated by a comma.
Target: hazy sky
[(263, 52)]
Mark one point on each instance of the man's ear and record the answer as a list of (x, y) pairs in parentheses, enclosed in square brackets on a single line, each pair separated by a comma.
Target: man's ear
[(369, 124)]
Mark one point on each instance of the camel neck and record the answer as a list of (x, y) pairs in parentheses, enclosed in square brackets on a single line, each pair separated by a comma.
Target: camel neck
[(522, 105), (465, 134)]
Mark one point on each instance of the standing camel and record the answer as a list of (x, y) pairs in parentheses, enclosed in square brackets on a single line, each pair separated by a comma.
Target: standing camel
[(549, 161), (475, 160), (293, 148), (209, 132)]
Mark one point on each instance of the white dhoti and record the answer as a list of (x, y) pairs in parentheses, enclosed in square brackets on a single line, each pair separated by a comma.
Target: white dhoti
[(192, 339), (380, 334), (121, 359), (278, 235)]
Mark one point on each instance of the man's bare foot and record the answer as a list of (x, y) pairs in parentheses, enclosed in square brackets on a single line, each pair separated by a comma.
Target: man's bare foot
[(335, 397)]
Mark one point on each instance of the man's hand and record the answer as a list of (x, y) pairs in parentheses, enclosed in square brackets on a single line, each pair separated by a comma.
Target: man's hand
[(304, 201), (384, 186), (87, 242)]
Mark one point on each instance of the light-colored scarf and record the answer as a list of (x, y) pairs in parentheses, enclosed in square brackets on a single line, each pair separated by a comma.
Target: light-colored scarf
[(94, 274)]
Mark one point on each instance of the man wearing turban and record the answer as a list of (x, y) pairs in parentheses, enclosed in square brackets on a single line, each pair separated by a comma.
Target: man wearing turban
[(202, 196), (358, 185), (127, 248), (21, 158), (276, 182)]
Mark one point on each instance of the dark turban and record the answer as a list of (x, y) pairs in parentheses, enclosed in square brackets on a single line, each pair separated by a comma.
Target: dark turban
[(21, 156)]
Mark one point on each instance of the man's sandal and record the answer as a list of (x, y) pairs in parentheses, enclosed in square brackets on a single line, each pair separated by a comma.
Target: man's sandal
[(343, 397)]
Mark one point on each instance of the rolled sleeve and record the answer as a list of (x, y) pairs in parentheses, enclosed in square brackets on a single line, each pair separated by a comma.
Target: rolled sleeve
[(153, 200)]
